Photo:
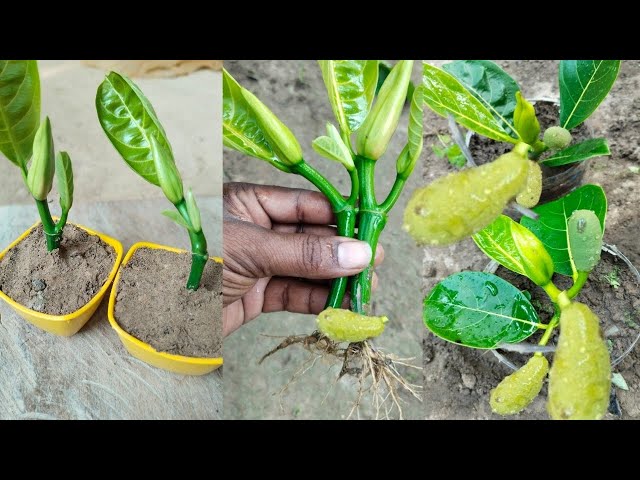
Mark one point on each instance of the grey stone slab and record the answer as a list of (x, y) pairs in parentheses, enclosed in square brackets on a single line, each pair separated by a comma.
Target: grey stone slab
[(90, 375)]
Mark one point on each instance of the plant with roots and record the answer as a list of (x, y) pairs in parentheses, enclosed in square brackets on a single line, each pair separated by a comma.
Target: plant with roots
[(28, 144), (131, 124), (480, 96), (251, 128), (481, 310)]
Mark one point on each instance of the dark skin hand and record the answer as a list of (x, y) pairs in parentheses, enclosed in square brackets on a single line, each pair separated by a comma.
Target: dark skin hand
[(280, 252)]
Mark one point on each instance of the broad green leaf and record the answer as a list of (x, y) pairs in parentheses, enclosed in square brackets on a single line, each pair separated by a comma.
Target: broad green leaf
[(19, 109), (594, 147), (516, 248), (551, 226), (445, 95), (64, 174), (492, 86), (333, 148), (415, 127), (351, 86), (584, 84), (129, 121), (240, 128), (193, 211), (479, 310), (525, 120), (176, 217), (169, 177)]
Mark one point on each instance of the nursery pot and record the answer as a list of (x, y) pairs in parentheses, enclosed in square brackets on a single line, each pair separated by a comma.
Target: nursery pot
[(556, 181), (144, 351), (65, 325)]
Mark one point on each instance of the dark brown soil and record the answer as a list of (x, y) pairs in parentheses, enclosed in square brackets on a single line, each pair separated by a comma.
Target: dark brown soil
[(60, 282), (617, 307), (154, 305)]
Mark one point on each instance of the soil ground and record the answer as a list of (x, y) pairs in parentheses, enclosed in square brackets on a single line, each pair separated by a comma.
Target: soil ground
[(458, 380), (294, 90)]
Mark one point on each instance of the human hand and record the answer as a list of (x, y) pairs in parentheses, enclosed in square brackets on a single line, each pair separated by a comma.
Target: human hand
[(280, 252)]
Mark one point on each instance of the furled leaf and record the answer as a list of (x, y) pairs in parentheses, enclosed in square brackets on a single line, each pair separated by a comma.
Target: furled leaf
[(176, 217), (240, 128), (193, 211), (492, 86), (351, 86), (552, 223), (516, 248), (415, 127), (333, 148), (594, 147), (129, 121), (525, 120), (64, 174), (479, 310), (584, 84), (19, 109), (445, 95)]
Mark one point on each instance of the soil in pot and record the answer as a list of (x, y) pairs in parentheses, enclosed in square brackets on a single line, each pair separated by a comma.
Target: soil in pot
[(467, 376), (557, 181), (60, 282), (154, 305)]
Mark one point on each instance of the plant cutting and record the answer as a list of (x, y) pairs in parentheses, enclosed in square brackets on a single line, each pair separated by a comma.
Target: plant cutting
[(167, 303), (365, 123), (482, 310), (44, 285), (480, 96)]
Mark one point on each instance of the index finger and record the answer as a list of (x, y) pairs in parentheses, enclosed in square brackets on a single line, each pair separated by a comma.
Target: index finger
[(295, 205)]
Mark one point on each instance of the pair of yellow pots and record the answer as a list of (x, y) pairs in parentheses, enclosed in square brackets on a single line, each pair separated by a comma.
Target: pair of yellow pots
[(67, 325)]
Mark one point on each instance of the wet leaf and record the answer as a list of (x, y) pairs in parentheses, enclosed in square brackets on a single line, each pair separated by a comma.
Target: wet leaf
[(578, 152)]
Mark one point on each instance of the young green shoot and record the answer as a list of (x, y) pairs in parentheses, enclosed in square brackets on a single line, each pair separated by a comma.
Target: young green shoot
[(130, 123), (28, 144)]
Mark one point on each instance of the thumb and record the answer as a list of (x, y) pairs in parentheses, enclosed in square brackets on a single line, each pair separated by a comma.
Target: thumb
[(266, 253)]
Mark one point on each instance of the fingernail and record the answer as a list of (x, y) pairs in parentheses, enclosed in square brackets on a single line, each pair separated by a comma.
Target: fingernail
[(354, 255)]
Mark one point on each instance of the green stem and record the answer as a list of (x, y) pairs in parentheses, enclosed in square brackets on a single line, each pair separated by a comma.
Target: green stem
[(366, 172), (538, 148), (199, 254), (346, 221), (550, 327), (48, 225), (552, 291), (394, 194), (321, 183), (581, 279)]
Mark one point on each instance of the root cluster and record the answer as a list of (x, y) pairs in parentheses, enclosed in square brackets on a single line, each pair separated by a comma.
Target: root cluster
[(376, 371)]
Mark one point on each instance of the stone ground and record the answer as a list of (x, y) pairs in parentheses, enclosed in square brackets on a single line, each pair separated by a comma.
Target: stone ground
[(90, 375)]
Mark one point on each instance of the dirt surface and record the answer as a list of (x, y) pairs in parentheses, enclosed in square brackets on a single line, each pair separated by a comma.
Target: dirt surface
[(458, 380), (154, 305), (60, 282), (294, 90)]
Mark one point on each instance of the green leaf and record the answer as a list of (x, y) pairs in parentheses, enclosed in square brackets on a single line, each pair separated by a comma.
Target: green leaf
[(618, 380), (584, 84), (168, 175), (64, 174), (525, 120), (585, 240), (551, 226), (193, 211), (479, 310), (129, 121), (240, 128), (516, 248), (176, 217), (415, 127), (594, 147), (333, 148), (445, 95), (492, 86), (351, 86), (384, 69), (19, 109)]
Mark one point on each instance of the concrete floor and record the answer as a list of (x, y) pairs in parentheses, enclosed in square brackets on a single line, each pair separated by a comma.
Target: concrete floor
[(90, 375)]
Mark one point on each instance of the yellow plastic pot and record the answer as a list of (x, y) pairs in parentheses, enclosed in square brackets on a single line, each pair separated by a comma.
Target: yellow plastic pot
[(66, 325), (145, 352)]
